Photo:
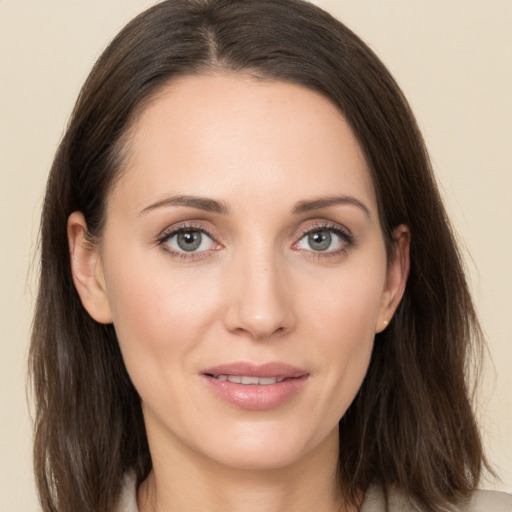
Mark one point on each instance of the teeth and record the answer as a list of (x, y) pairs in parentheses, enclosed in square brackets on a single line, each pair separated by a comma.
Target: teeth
[(268, 380), (244, 379), (249, 380)]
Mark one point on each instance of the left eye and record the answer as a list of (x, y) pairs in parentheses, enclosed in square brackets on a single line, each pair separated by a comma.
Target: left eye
[(190, 240), (322, 240)]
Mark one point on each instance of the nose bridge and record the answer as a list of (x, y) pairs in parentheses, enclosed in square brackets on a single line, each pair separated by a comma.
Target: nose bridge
[(260, 303)]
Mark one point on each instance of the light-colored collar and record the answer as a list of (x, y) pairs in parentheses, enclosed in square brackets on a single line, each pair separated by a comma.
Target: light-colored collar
[(374, 501)]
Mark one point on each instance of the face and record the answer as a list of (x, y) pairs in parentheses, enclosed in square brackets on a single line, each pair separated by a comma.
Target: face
[(244, 269)]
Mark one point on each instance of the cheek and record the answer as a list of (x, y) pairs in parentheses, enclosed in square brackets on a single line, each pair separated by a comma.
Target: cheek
[(158, 315), (345, 306), (161, 319), (342, 319)]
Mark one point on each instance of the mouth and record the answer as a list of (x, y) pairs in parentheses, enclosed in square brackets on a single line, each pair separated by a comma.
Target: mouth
[(247, 380), (255, 386)]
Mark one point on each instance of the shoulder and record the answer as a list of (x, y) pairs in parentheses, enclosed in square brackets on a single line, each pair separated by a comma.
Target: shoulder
[(491, 501), (398, 501), (375, 500)]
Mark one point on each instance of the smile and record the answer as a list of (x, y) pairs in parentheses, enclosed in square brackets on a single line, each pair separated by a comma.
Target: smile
[(249, 380), (255, 387)]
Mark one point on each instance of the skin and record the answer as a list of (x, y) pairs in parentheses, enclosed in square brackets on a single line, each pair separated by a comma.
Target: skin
[(256, 290)]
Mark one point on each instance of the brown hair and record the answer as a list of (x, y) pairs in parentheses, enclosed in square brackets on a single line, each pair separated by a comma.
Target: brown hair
[(411, 424)]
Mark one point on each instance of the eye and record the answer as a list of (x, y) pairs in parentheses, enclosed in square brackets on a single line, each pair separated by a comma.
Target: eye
[(188, 240), (324, 239)]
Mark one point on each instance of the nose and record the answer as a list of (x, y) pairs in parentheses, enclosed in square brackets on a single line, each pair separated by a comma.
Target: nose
[(260, 302)]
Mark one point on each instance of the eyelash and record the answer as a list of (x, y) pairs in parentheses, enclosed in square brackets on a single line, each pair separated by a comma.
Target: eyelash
[(340, 232), (167, 234)]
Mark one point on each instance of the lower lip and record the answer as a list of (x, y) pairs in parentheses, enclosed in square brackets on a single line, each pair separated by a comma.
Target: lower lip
[(256, 397)]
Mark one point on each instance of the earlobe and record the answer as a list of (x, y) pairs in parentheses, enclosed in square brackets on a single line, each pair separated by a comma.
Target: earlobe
[(396, 279), (87, 270)]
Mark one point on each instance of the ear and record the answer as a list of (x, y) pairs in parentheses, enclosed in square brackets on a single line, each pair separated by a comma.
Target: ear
[(396, 278), (87, 270)]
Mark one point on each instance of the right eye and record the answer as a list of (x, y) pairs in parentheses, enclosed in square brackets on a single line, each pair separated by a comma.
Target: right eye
[(188, 240)]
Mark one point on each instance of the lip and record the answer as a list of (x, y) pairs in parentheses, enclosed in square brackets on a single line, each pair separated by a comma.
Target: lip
[(256, 396)]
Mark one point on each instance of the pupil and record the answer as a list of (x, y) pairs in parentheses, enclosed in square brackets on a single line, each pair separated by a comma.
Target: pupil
[(320, 240), (189, 240)]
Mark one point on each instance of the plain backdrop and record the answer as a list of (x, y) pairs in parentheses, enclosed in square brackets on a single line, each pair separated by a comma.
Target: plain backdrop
[(452, 58)]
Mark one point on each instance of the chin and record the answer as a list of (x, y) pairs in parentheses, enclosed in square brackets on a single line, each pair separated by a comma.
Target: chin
[(268, 459), (260, 447)]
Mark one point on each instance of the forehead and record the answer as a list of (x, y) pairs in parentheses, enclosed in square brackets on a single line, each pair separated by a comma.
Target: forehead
[(233, 135)]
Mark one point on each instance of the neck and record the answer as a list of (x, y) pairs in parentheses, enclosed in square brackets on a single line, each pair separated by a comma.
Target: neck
[(187, 482)]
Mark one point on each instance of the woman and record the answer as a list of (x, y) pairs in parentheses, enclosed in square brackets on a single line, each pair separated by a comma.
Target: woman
[(250, 296)]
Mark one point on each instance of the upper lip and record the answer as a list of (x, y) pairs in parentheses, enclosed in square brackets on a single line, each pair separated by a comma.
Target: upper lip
[(274, 369)]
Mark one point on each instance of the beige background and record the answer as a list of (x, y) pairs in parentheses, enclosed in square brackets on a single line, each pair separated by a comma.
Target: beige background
[(452, 58)]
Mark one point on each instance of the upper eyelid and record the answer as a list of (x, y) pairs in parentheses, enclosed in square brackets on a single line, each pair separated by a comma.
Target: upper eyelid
[(173, 230), (333, 226)]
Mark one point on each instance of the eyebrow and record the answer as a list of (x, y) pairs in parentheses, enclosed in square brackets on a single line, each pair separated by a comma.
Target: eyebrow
[(201, 203), (214, 206), (324, 202)]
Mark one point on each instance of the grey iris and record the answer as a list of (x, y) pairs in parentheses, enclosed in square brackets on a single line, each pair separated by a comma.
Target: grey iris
[(189, 240), (320, 240)]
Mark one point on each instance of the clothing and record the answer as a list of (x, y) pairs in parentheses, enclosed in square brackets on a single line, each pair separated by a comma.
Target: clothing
[(483, 501), (128, 498)]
